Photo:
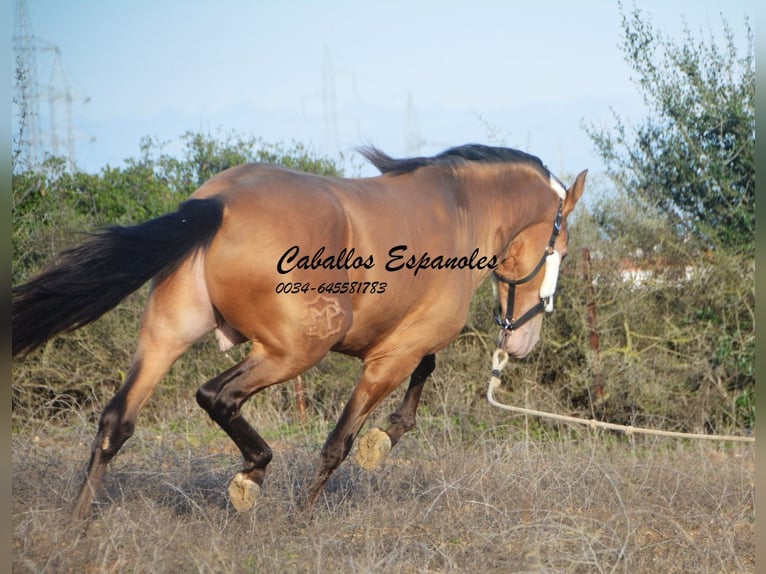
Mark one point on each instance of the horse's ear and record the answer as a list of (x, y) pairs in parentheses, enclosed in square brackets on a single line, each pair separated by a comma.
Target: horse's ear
[(574, 193)]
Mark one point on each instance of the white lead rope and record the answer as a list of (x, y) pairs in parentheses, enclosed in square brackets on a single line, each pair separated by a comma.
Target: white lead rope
[(500, 360)]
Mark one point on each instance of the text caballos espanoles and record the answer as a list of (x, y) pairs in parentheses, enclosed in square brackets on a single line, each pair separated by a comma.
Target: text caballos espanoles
[(399, 259)]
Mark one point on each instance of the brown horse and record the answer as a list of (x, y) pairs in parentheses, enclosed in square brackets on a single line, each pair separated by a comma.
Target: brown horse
[(379, 268)]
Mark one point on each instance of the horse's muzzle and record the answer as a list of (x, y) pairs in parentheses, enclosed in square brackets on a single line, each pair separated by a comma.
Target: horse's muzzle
[(520, 342)]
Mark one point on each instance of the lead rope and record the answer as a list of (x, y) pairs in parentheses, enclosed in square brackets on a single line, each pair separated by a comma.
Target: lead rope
[(500, 360)]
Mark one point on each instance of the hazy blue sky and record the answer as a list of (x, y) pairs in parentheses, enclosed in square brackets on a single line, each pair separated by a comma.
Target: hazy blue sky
[(410, 76)]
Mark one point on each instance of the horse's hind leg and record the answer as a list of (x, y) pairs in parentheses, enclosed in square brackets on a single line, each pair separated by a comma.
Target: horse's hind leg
[(118, 421), (177, 314), (377, 443)]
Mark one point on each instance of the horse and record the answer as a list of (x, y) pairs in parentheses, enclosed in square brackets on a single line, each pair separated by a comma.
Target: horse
[(380, 268)]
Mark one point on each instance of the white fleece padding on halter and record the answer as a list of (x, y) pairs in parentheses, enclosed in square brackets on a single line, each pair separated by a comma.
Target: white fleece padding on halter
[(548, 287)]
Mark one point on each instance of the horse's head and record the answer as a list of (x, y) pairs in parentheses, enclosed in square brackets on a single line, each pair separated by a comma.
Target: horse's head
[(525, 281)]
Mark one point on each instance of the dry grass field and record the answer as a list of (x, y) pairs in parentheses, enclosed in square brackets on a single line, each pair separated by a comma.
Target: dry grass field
[(451, 498)]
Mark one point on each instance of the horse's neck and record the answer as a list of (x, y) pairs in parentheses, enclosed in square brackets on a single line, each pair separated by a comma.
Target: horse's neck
[(500, 207)]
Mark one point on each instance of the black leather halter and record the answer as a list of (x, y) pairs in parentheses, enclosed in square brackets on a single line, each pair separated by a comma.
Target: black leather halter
[(508, 323)]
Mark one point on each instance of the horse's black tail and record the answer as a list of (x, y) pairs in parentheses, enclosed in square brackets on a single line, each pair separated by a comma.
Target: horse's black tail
[(92, 278)]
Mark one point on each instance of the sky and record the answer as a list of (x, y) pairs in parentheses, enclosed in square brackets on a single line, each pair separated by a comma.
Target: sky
[(412, 77)]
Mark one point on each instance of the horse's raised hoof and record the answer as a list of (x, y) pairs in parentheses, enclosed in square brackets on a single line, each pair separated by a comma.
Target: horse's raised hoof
[(373, 447), (243, 491)]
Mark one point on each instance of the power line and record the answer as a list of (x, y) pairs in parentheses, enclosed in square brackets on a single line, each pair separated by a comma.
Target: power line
[(32, 140)]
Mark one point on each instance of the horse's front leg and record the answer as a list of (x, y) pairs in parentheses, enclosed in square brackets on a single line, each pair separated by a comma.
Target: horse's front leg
[(378, 379), (374, 446), (222, 398)]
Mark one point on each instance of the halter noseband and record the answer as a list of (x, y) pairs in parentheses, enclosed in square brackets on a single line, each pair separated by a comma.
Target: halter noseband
[(508, 323)]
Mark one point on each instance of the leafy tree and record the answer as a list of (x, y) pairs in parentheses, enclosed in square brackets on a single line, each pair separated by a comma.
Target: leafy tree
[(682, 209), (693, 158)]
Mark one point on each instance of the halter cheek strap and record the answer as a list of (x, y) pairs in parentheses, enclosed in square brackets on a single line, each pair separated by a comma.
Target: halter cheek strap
[(550, 278), (551, 260)]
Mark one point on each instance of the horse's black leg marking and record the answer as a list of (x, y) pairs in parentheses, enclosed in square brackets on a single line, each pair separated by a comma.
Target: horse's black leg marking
[(403, 419), (377, 382), (115, 426), (335, 450), (222, 400)]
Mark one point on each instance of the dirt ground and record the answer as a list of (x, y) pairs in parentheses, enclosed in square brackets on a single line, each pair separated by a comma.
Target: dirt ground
[(440, 503)]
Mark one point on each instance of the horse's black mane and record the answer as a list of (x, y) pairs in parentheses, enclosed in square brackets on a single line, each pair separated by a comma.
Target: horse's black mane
[(452, 156)]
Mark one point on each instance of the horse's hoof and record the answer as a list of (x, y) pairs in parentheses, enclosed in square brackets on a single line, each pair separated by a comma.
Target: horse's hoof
[(373, 447), (243, 491)]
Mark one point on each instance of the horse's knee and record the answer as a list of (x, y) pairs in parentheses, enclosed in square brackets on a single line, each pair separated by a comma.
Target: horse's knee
[(218, 398), (205, 398), (217, 406)]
